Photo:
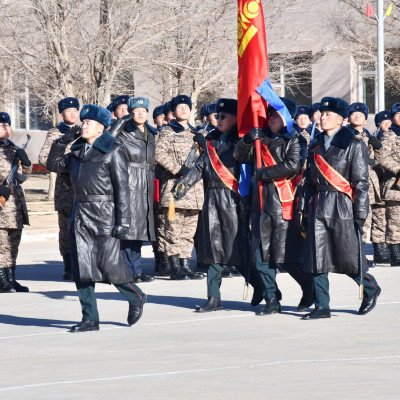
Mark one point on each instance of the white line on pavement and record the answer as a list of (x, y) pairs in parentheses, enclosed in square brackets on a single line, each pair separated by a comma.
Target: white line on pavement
[(196, 371)]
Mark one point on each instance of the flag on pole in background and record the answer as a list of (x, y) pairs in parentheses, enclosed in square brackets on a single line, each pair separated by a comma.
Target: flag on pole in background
[(370, 12)]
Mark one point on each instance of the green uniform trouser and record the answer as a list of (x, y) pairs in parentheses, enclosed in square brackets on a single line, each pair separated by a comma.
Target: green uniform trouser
[(88, 301), (214, 280), (321, 287), (267, 273)]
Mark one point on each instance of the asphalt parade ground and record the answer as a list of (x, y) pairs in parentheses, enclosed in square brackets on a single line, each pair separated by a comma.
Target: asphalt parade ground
[(174, 353)]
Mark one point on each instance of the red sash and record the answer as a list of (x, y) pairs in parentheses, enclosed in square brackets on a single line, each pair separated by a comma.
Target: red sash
[(286, 187), (332, 176), (223, 173)]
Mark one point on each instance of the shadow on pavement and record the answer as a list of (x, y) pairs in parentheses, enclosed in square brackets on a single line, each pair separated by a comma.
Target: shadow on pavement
[(43, 322)]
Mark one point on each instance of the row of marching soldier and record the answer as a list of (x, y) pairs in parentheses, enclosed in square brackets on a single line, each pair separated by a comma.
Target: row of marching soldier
[(313, 208)]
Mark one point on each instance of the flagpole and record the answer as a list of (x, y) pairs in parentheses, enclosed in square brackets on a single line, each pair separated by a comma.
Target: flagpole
[(381, 56)]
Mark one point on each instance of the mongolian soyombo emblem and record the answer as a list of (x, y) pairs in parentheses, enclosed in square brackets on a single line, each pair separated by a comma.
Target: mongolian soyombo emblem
[(246, 30)]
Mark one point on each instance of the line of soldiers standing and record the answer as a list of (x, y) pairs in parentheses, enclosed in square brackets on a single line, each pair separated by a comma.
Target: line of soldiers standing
[(224, 217)]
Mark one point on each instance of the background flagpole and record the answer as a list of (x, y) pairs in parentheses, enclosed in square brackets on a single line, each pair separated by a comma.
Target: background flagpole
[(381, 56)]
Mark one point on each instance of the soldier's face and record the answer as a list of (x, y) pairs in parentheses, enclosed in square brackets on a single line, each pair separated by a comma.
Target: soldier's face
[(182, 112), (121, 111), (385, 125), (5, 131), (396, 119), (91, 130), (330, 121), (303, 121), (226, 122), (275, 122), (140, 115), (212, 119), (70, 116), (160, 121), (316, 117), (357, 119)]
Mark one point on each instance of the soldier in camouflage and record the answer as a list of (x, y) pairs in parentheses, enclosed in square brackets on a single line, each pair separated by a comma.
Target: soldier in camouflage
[(68, 108), (389, 159), (173, 145), (14, 215)]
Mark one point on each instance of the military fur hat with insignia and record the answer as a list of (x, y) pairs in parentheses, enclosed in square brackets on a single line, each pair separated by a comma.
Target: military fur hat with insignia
[(395, 109), (207, 109), (302, 110), (5, 118), (181, 99), (110, 107), (382, 116), (159, 110), (96, 113), (138, 102), (119, 100), (314, 108), (228, 106), (359, 107), (336, 105), (68, 102)]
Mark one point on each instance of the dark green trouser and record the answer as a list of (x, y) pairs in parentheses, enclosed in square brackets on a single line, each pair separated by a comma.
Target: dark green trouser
[(88, 301), (214, 280), (321, 287), (268, 276)]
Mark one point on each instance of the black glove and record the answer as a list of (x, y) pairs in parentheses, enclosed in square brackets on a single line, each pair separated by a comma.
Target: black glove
[(359, 224), (200, 140), (70, 136), (119, 231), (183, 171), (375, 142), (179, 190), (254, 134), (21, 154), (262, 174), (5, 192)]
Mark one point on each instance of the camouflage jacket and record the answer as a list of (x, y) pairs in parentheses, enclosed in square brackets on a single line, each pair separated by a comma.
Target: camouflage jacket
[(389, 158), (15, 214), (63, 193), (172, 149), (374, 190)]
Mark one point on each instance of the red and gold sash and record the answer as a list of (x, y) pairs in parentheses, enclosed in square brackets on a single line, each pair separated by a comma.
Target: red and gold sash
[(332, 176), (220, 169), (286, 187)]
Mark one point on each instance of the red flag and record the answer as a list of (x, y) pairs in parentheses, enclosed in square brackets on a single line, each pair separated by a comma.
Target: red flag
[(370, 10), (253, 65)]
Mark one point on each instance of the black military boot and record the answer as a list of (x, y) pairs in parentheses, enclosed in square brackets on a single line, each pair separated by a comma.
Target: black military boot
[(234, 271), (185, 266), (271, 307), (67, 276), (394, 250), (85, 326), (5, 285), (177, 273), (10, 273), (381, 253), (164, 267), (212, 304), (136, 310)]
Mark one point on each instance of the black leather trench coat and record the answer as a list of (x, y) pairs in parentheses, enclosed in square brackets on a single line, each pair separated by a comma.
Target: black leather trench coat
[(267, 225), (101, 201), (141, 160), (220, 238), (332, 242)]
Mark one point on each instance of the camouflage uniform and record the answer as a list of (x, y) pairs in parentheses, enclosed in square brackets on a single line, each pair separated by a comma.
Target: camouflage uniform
[(15, 214), (176, 237), (63, 191), (374, 191), (389, 159)]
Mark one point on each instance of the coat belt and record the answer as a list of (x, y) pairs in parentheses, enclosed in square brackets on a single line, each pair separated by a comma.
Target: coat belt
[(93, 198), (142, 166)]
